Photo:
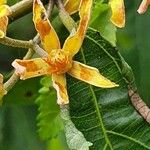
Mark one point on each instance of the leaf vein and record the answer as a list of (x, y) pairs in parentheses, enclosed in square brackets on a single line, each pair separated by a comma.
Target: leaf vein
[(97, 108), (129, 138)]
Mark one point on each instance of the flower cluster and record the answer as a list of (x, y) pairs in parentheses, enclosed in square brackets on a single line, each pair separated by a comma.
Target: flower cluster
[(59, 60)]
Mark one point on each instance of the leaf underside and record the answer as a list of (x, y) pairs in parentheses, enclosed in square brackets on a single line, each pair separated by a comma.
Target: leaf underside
[(48, 119), (106, 116)]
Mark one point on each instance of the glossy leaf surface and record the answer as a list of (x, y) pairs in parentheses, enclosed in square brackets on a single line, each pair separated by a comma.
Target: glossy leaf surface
[(100, 20), (106, 116)]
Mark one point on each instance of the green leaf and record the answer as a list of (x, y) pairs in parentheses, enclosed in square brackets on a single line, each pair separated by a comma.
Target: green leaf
[(17, 128), (135, 47), (106, 117), (49, 121), (75, 139), (58, 143), (100, 20)]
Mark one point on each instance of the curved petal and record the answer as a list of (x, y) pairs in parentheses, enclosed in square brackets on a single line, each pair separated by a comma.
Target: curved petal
[(3, 2), (90, 75), (143, 6), (4, 10), (74, 41), (59, 83), (3, 26), (72, 6), (47, 33), (118, 12), (30, 68)]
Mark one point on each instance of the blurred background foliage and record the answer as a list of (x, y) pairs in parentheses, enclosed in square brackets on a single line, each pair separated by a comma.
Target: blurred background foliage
[(133, 43), (18, 129)]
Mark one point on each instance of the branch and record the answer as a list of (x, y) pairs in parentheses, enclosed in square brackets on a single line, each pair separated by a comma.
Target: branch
[(16, 43), (139, 104), (68, 22), (21, 9), (14, 78)]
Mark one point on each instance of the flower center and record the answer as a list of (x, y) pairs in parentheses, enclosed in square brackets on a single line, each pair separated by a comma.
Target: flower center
[(59, 61)]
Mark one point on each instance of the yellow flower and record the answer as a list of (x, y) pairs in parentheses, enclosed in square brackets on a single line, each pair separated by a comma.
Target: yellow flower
[(4, 12), (118, 12), (72, 6), (60, 60), (143, 7), (117, 8)]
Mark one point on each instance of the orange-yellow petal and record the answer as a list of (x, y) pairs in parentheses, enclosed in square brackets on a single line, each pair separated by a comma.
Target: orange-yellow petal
[(74, 41), (43, 26), (3, 26), (3, 2), (2, 90), (4, 12), (72, 6), (59, 83), (30, 68), (118, 12), (143, 6), (90, 75)]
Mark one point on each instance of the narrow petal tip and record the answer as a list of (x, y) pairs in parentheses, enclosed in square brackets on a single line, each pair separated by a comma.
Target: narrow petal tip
[(106, 83), (20, 70), (141, 10), (143, 6), (5, 10), (113, 85), (118, 13), (37, 1), (2, 34), (90, 75), (59, 83)]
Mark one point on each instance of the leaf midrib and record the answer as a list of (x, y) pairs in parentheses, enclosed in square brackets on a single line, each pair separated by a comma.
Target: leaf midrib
[(104, 51), (104, 130), (97, 108)]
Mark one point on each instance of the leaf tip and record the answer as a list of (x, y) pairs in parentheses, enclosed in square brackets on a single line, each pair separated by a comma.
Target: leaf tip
[(2, 34)]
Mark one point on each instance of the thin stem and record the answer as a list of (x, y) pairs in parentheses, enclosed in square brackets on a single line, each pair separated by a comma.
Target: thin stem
[(40, 51), (11, 82), (29, 54), (139, 104), (50, 7), (16, 43), (65, 17), (25, 44)]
